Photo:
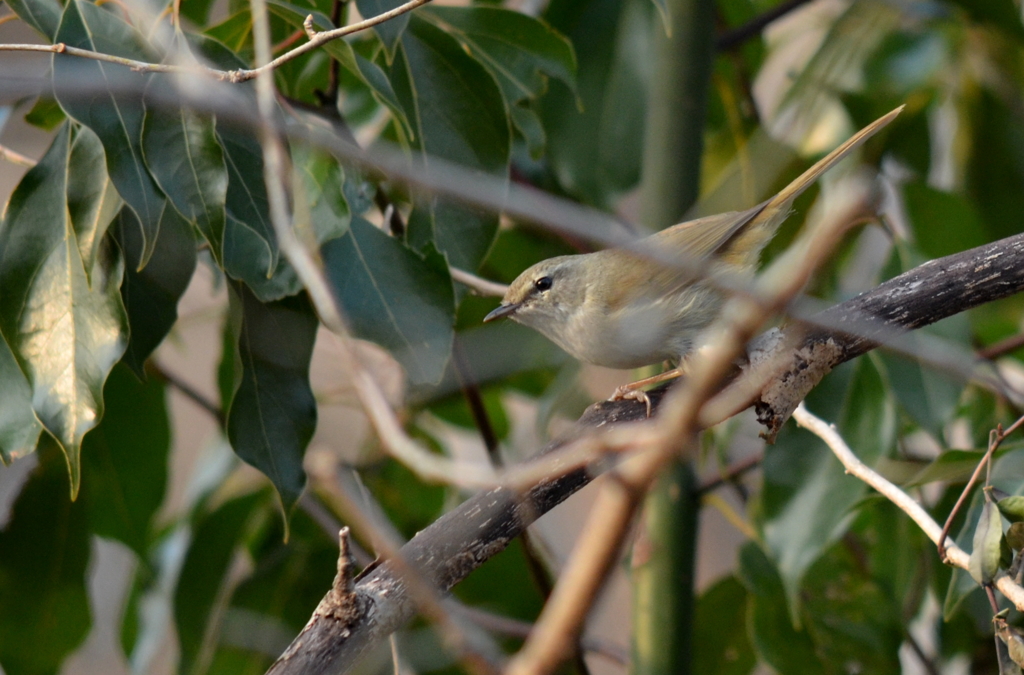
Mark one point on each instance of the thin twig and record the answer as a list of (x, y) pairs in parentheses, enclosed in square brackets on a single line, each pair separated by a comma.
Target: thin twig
[(737, 36), (15, 157), (316, 39), (995, 439), (731, 473), (1001, 348), (954, 554), (479, 284), (187, 390)]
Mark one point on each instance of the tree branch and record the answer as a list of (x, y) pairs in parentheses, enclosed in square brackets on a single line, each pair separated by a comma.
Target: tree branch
[(482, 526)]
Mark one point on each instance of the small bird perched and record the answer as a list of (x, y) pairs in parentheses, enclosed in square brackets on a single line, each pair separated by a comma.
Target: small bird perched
[(621, 309)]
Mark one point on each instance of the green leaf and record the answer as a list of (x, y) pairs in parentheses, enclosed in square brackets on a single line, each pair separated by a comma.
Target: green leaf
[(199, 598), (45, 114), (151, 295), (125, 460), (985, 555), (595, 148), (184, 156), (44, 553), (393, 297), (390, 32), (19, 428), (776, 641), (273, 412), (953, 466), (519, 50), (116, 119), (944, 223), (808, 495), (720, 640), (457, 113), (1012, 508), (64, 324), (235, 32), (321, 211), (43, 15)]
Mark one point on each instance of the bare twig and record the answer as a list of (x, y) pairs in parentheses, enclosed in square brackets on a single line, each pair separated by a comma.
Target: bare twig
[(954, 554), (316, 39), (995, 439), (187, 390), (1003, 347), (479, 284), (737, 36), (731, 473), (15, 157)]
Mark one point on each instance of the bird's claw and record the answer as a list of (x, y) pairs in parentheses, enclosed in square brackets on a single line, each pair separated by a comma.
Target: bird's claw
[(628, 393)]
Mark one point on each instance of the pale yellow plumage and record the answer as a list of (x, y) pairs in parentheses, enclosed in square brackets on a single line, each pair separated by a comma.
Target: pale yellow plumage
[(620, 309)]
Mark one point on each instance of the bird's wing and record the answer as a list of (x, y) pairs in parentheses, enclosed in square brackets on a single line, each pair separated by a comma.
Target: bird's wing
[(704, 237)]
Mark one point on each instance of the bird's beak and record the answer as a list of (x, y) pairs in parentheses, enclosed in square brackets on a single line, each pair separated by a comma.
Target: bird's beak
[(503, 310)]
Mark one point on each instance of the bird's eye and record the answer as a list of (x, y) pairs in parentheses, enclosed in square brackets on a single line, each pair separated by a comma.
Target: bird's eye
[(542, 284)]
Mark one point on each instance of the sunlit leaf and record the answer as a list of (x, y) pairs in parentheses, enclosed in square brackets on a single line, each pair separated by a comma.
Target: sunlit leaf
[(394, 297), (19, 428), (66, 328), (45, 114), (273, 412), (115, 118)]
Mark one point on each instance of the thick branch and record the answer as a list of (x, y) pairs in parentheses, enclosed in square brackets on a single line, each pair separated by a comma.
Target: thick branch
[(456, 544)]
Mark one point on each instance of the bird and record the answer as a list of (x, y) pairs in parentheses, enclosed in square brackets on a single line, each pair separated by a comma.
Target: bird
[(622, 308)]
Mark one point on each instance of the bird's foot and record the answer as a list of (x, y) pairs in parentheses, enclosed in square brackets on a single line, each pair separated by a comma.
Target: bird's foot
[(628, 392)]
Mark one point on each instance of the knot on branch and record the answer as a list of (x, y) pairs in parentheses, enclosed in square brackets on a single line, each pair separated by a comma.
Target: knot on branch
[(807, 366), (342, 602)]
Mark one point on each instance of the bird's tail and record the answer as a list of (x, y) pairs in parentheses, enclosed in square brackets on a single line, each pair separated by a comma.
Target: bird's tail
[(761, 228)]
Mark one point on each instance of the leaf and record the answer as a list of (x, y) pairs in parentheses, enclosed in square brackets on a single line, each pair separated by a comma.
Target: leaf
[(273, 412), (519, 50), (19, 428), (390, 32), (808, 496), (944, 223), (43, 15), (776, 642), (595, 136), (953, 466), (235, 32), (1012, 508), (199, 598), (321, 211), (985, 555), (115, 118), (184, 156), (125, 460), (394, 297), (65, 330), (456, 111), (44, 554), (151, 296), (367, 72), (720, 640), (45, 114)]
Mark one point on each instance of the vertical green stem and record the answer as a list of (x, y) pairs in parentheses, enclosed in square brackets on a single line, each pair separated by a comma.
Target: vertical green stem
[(664, 558)]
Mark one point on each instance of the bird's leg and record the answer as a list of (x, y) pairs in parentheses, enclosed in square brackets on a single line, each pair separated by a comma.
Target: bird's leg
[(634, 390)]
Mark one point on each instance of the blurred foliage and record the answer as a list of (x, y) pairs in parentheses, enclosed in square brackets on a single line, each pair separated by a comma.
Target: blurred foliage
[(101, 238)]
